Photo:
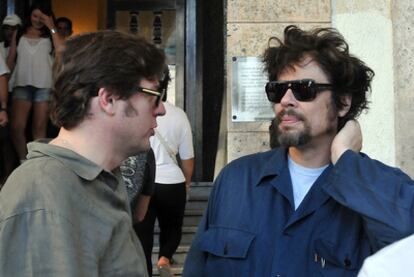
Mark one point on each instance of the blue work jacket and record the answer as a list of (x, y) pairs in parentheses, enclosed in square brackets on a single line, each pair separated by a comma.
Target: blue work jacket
[(250, 227)]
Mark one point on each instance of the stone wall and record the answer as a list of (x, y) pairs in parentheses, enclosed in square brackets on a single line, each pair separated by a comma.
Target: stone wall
[(367, 27), (403, 33)]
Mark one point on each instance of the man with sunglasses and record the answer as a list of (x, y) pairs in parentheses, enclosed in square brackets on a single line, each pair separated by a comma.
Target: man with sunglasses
[(65, 211), (314, 206)]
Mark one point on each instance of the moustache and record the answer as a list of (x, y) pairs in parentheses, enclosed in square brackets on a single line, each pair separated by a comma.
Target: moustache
[(282, 113)]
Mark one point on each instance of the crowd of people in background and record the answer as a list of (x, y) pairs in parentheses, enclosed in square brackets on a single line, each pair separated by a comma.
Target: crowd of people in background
[(28, 48)]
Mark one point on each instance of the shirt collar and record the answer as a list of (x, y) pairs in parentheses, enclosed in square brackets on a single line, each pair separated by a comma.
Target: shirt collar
[(83, 167)]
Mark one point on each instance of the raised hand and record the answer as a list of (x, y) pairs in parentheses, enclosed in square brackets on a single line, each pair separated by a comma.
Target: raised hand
[(348, 138)]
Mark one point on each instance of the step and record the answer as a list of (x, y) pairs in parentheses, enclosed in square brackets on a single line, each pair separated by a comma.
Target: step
[(200, 191), (177, 270), (192, 217), (198, 197), (201, 187), (198, 203), (201, 184), (194, 212)]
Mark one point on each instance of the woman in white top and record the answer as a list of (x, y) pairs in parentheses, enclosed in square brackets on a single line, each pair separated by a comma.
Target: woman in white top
[(31, 54)]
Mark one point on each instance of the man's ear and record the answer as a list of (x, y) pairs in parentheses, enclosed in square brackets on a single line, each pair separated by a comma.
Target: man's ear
[(346, 100), (106, 101)]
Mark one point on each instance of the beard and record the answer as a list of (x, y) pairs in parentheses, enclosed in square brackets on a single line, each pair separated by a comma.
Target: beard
[(136, 144), (288, 138)]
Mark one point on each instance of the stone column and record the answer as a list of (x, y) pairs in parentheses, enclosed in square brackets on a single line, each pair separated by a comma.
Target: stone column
[(367, 27), (403, 31)]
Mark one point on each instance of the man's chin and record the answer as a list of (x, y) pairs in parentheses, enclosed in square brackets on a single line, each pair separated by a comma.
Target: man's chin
[(293, 139)]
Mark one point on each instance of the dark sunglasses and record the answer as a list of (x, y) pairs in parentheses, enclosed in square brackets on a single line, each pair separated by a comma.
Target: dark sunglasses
[(304, 90)]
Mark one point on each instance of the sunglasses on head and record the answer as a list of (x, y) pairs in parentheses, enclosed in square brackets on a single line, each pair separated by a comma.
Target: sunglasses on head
[(304, 90)]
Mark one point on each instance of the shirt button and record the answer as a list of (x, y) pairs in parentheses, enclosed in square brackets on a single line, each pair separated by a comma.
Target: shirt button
[(225, 250)]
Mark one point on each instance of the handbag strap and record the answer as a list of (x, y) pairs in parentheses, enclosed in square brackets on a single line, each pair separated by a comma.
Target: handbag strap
[(166, 146)]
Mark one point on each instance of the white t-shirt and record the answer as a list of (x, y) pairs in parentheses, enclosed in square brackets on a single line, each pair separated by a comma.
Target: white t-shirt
[(302, 179), (394, 260), (4, 52), (34, 63), (175, 128)]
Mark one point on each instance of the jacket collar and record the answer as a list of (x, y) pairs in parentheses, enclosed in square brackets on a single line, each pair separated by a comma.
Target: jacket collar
[(276, 167), (273, 165)]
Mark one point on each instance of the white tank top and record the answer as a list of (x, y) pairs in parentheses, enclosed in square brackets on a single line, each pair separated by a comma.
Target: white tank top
[(34, 63)]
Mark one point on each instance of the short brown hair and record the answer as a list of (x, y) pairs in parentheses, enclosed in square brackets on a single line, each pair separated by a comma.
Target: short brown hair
[(105, 59), (347, 74)]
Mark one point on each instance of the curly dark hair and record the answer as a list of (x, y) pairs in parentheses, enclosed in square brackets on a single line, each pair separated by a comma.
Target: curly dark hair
[(348, 74), (105, 59)]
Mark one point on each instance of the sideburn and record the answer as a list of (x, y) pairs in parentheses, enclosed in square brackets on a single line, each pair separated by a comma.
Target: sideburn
[(130, 111), (333, 114)]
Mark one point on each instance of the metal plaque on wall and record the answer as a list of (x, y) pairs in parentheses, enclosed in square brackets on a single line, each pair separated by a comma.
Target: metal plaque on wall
[(249, 101)]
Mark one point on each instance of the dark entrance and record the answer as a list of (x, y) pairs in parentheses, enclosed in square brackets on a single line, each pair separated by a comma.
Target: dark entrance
[(199, 65)]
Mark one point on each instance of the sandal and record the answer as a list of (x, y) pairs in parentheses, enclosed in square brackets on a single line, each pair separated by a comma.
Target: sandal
[(165, 271)]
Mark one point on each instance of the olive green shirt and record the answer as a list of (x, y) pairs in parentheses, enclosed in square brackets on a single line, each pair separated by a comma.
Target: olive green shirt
[(63, 215)]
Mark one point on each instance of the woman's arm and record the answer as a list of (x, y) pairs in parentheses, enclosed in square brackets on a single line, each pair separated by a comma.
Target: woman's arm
[(11, 58), (56, 38)]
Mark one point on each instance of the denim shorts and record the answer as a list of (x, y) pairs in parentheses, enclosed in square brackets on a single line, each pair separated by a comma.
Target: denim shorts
[(32, 94)]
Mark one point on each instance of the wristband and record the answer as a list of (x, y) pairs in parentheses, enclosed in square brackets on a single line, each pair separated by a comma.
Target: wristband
[(53, 30)]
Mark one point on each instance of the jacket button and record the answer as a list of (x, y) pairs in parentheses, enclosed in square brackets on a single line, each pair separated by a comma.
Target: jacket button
[(225, 250), (347, 262)]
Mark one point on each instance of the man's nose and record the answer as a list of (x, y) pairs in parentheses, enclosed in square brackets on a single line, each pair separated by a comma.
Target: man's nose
[(288, 99), (160, 110)]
